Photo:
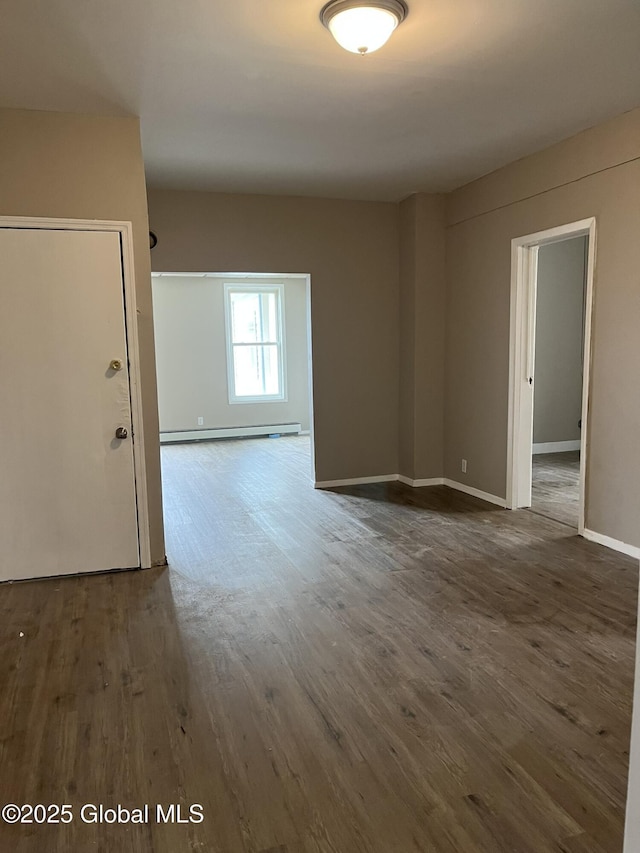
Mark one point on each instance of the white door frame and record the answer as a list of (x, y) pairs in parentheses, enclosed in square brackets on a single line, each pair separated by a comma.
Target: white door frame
[(125, 230), (524, 272)]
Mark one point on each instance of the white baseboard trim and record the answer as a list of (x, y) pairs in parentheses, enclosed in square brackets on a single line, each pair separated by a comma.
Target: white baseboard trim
[(476, 493), (432, 481), (229, 432), (418, 484), (556, 447), (615, 544), (355, 481)]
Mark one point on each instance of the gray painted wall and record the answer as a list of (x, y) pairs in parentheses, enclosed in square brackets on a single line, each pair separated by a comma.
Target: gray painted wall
[(89, 167), (596, 173), (557, 405), (191, 356), (422, 323), (350, 249)]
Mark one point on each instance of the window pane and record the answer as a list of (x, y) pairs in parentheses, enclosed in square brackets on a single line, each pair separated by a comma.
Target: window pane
[(271, 370), (269, 317), (254, 317), (245, 318), (256, 371)]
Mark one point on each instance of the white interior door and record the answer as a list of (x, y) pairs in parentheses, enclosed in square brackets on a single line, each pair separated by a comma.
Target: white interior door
[(527, 378), (67, 484)]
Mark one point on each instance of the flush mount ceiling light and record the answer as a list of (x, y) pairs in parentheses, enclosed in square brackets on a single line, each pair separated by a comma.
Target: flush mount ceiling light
[(363, 27)]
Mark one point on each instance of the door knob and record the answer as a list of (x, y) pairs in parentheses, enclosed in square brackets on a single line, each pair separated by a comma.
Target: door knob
[(116, 364), (121, 432)]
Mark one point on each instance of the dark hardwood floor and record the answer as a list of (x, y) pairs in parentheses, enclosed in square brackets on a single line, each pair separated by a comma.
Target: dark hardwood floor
[(555, 486), (376, 669)]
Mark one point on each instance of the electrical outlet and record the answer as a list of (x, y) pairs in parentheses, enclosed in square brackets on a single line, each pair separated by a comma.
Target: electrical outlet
[(464, 466), (200, 421)]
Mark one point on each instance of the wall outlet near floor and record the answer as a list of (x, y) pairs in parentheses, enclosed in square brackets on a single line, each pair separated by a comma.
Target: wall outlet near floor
[(200, 421), (464, 466)]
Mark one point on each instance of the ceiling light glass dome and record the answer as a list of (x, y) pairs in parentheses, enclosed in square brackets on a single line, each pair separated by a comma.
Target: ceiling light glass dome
[(362, 27)]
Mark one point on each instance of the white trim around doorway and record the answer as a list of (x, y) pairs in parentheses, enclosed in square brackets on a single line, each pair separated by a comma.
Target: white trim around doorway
[(524, 268)]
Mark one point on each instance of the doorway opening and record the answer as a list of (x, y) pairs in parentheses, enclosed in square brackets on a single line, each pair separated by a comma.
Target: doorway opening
[(234, 369), (233, 355), (550, 346)]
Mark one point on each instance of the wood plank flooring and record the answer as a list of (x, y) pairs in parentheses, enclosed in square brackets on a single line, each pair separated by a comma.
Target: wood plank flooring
[(555, 487), (368, 670)]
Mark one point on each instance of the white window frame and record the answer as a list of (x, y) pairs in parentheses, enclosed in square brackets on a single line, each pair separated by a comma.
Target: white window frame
[(256, 287)]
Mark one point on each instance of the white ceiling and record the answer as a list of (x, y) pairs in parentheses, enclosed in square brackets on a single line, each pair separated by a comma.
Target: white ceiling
[(255, 96)]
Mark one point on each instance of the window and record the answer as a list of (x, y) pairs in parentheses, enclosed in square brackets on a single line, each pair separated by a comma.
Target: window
[(255, 345)]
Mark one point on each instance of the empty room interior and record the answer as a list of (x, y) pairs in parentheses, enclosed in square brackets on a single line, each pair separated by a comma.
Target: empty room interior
[(320, 486)]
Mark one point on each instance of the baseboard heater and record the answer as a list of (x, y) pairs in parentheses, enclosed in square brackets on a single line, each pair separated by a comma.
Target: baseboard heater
[(230, 432)]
